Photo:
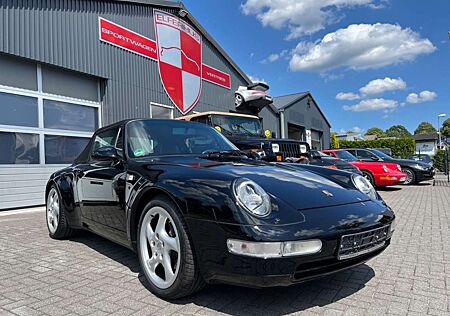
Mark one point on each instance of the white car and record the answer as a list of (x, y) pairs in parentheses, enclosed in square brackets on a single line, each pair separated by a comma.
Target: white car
[(252, 96)]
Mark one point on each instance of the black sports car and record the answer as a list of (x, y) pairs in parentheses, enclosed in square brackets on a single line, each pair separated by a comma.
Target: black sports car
[(416, 171), (197, 211), (318, 158)]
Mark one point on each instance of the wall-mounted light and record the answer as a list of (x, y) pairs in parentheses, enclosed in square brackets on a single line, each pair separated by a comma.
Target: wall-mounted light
[(182, 13)]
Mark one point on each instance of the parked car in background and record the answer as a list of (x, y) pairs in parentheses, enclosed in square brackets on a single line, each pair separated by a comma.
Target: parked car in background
[(246, 133), (380, 174), (387, 151), (416, 171), (421, 157), (318, 158), (196, 210)]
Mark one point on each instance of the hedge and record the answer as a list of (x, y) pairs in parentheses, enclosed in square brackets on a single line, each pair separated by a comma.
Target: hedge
[(439, 160), (401, 147)]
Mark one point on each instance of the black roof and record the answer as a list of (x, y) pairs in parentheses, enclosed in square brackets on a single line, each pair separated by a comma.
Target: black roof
[(426, 136)]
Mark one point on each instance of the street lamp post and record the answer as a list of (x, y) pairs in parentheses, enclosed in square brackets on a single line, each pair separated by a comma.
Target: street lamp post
[(439, 127)]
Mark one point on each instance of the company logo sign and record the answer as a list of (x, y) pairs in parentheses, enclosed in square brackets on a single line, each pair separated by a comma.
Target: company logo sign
[(178, 51)]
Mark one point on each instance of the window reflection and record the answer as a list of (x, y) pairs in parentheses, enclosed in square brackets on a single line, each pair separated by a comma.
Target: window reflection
[(19, 148), (68, 116), (18, 110), (63, 149)]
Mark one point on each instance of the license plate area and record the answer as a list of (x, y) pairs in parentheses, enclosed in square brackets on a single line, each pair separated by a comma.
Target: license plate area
[(354, 245)]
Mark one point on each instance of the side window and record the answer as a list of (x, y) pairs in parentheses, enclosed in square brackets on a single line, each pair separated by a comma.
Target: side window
[(200, 119), (364, 154), (106, 138), (353, 152)]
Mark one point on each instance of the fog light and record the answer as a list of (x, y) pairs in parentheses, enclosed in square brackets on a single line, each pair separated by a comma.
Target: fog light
[(304, 247), (274, 249)]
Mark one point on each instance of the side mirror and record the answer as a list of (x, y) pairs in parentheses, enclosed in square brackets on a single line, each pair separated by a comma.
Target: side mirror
[(105, 153)]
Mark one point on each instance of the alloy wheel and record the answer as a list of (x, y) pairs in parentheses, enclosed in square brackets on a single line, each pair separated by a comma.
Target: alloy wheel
[(160, 247), (409, 176), (52, 210)]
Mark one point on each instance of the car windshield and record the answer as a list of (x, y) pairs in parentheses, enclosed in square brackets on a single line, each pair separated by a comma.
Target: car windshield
[(316, 153), (240, 125), (170, 137), (345, 155), (424, 158), (380, 154)]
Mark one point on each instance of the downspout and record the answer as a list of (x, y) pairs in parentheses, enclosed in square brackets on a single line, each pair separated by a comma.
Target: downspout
[(282, 127)]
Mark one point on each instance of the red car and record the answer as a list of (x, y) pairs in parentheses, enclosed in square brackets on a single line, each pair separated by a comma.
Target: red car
[(380, 174)]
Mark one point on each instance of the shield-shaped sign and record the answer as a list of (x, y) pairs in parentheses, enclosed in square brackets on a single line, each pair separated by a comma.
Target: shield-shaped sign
[(179, 59)]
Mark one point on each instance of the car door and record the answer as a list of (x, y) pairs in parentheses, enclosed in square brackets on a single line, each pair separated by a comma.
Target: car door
[(101, 187)]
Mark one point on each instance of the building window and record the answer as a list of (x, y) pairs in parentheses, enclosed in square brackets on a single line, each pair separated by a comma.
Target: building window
[(63, 149), (19, 148), (41, 128), (18, 110), (161, 111), (70, 116)]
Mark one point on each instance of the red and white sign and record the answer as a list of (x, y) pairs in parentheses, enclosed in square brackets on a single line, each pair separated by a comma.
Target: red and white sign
[(216, 76), (180, 59), (117, 35), (178, 50)]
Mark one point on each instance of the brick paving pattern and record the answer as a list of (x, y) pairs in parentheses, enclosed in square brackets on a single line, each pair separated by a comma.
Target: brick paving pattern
[(88, 275)]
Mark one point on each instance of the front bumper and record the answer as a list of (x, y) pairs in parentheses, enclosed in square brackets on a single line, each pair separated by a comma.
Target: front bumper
[(218, 265), (387, 179), (423, 175)]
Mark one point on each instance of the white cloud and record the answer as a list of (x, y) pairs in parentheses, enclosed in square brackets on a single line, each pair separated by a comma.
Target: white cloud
[(347, 96), (379, 86), (303, 17), (360, 46), (373, 105), (256, 79), (424, 96), (274, 57)]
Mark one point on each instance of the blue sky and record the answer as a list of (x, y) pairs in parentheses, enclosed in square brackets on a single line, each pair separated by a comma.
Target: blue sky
[(391, 59)]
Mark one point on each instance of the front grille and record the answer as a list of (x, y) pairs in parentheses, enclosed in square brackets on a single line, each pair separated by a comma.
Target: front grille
[(361, 243), (290, 150)]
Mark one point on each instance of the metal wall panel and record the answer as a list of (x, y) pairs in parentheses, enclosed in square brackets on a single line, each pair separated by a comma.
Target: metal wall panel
[(65, 33)]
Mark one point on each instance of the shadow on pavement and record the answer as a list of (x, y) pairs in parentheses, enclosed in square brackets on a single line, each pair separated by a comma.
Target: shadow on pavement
[(236, 300)]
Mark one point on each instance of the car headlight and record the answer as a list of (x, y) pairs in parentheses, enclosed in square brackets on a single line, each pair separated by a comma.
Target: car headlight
[(363, 185), (420, 167), (385, 169), (252, 197), (275, 148)]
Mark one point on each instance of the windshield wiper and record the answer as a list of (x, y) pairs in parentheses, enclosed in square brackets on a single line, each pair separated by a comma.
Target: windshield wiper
[(245, 130), (217, 154), (225, 130)]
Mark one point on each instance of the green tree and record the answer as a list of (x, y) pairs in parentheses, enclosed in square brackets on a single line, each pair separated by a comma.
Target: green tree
[(378, 132), (445, 130), (334, 143), (398, 131), (425, 128)]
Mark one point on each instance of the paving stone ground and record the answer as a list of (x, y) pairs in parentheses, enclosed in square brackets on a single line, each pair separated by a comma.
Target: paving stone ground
[(89, 275)]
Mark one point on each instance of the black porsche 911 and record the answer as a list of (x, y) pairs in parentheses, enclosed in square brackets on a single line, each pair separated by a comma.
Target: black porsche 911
[(196, 210)]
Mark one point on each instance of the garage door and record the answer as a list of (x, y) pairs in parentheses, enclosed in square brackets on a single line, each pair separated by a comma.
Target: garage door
[(46, 118)]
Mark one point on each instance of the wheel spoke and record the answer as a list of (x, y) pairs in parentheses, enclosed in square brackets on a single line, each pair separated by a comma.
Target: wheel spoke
[(149, 232), (152, 263), (170, 243), (160, 226), (167, 268)]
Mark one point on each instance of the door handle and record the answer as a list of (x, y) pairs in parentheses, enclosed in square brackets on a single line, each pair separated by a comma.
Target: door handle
[(96, 182)]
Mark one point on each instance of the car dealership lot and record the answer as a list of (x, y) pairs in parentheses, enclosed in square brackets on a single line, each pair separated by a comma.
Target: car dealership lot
[(90, 275)]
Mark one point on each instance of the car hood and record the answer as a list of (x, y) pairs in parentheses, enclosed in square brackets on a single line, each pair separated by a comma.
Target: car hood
[(301, 189)]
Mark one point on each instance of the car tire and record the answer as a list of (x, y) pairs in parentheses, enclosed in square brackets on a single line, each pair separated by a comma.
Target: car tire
[(238, 100), (368, 176), (155, 247), (57, 225), (410, 176)]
